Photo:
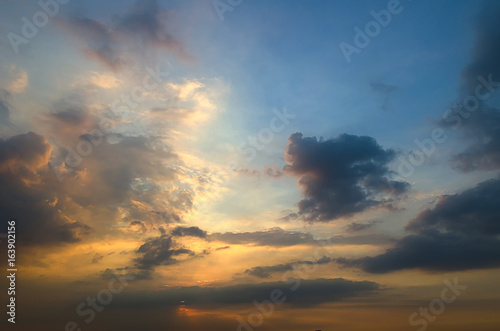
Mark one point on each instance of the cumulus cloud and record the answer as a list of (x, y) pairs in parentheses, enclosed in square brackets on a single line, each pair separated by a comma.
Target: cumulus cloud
[(83, 184), (459, 233), (340, 177), (29, 194), (134, 176)]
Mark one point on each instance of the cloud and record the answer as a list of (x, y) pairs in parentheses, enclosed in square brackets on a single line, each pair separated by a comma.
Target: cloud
[(272, 237), (97, 258), (4, 108), (273, 172), (306, 293), (433, 251), (481, 127), (459, 233), (104, 80), (355, 227), (247, 172), (475, 211), (29, 194), (84, 185), (124, 172), (267, 271), (19, 84), (340, 177), (486, 51), (134, 176), (385, 90), (159, 251), (69, 118), (138, 226), (143, 28), (192, 231), (13, 79), (277, 237)]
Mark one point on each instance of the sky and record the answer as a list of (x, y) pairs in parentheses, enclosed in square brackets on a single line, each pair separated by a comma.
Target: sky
[(250, 165)]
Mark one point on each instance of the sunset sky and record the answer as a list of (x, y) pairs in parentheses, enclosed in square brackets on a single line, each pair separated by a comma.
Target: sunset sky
[(251, 164)]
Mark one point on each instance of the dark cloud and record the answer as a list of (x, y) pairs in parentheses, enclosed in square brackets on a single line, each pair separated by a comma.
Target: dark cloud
[(223, 247), (159, 251), (143, 28), (433, 251), (267, 271), (278, 237), (70, 115), (340, 177), (475, 211), (272, 237), (459, 233), (4, 108), (99, 39), (368, 239), (481, 127), (297, 292), (355, 227), (97, 258), (27, 193), (486, 51), (192, 231), (86, 184)]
